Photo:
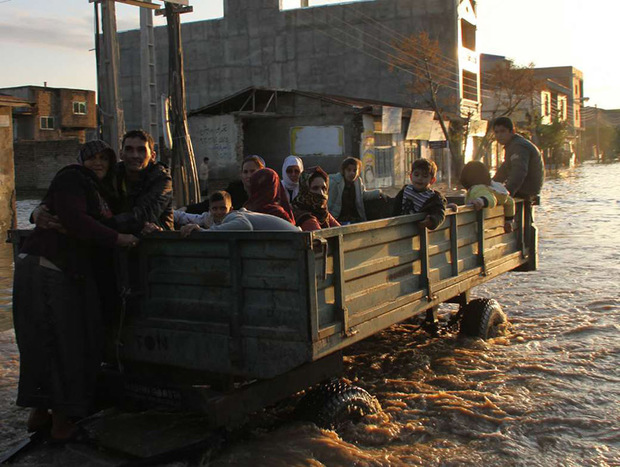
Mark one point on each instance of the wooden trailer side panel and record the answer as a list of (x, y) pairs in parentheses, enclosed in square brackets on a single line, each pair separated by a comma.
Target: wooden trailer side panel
[(233, 303), (378, 273)]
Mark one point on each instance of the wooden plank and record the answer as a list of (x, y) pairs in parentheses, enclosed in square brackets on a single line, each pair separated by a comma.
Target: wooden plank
[(271, 274), (199, 311), (380, 264), (454, 248), (440, 235), (480, 218), (493, 223), (424, 257), (439, 248), (236, 310), (384, 293), (440, 259), (159, 276), (313, 307), (380, 224), (380, 277), (339, 279), (467, 217), (502, 250), (372, 252), (275, 249), (274, 308), (386, 236), (408, 307), (384, 308)]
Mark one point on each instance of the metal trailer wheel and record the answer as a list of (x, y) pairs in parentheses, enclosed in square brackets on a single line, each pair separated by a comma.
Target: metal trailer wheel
[(330, 404), (482, 318)]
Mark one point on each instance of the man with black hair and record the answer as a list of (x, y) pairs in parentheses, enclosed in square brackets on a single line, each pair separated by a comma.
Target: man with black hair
[(523, 170), (142, 190), (144, 186)]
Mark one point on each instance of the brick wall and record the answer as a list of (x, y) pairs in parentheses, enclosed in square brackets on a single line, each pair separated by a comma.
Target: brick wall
[(68, 119), (36, 162)]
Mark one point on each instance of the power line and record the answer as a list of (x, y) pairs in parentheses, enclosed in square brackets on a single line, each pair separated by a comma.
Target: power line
[(465, 80), (400, 59), (394, 33)]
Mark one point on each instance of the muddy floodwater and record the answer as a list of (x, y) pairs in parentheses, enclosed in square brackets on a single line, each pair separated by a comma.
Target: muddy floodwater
[(547, 393)]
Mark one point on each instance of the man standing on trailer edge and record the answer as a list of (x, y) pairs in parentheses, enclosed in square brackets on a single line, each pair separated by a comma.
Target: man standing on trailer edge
[(523, 170)]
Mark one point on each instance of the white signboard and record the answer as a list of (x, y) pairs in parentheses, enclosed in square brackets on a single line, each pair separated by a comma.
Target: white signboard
[(4, 121), (317, 140), (420, 124), (391, 119)]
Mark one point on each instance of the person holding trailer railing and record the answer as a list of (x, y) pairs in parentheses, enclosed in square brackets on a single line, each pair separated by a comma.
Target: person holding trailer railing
[(57, 302), (482, 192), (419, 197)]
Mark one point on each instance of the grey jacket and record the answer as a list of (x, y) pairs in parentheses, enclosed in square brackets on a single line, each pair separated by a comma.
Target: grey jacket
[(336, 187), (523, 169)]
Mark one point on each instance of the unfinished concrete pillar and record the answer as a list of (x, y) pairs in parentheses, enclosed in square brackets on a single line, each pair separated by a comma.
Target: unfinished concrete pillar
[(7, 173)]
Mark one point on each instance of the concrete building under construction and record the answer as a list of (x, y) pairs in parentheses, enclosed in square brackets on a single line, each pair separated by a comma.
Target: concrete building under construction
[(341, 49)]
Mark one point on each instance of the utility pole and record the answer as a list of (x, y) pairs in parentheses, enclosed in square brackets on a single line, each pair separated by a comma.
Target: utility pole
[(184, 173), (148, 74), (185, 176), (113, 121)]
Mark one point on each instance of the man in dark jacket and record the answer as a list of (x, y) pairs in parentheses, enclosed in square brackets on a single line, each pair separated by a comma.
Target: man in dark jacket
[(523, 170), (144, 186), (143, 190)]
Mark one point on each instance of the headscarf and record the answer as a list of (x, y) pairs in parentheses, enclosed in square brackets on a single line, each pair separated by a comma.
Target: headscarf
[(266, 195), (286, 181), (309, 204), (106, 186), (91, 148)]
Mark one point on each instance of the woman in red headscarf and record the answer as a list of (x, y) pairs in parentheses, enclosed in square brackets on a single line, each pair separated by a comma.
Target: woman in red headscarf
[(266, 195), (310, 206)]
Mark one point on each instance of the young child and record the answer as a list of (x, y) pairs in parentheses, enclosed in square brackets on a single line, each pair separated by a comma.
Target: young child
[(347, 193), (220, 204), (482, 192), (420, 197)]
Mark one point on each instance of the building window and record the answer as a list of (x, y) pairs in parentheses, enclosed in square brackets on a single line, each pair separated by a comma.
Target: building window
[(384, 155), (545, 100), (47, 123), (468, 35), (562, 108), (79, 108), (470, 85)]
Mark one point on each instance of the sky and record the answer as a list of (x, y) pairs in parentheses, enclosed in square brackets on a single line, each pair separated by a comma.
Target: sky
[(52, 40)]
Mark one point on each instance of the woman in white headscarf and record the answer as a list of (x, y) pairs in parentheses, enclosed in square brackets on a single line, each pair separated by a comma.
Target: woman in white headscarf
[(291, 170)]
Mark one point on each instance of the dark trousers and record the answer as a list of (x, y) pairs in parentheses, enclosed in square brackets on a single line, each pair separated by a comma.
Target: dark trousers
[(58, 328)]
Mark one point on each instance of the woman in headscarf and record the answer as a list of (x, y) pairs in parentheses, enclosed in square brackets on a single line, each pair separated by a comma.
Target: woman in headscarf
[(57, 306), (266, 195), (291, 170), (310, 206)]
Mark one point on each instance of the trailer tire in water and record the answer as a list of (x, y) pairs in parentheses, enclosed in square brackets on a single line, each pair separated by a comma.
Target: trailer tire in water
[(331, 404), (482, 318)]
